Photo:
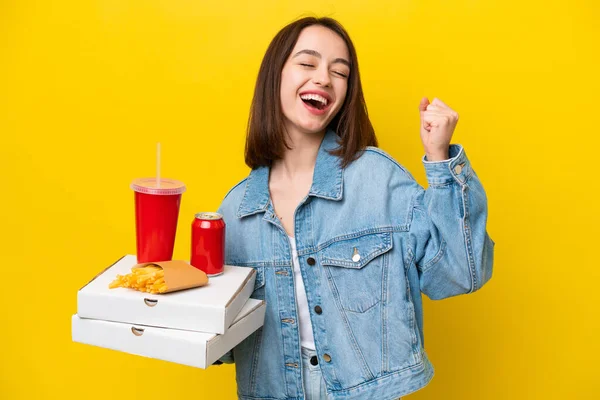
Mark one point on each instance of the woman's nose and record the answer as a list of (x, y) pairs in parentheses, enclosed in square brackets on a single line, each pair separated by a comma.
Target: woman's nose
[(321, 77)]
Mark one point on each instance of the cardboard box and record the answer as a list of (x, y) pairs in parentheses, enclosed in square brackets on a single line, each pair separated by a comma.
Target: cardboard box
[(196, 349), (210, 308)]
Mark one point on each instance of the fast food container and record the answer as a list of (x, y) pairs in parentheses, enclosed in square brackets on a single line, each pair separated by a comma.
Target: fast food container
[(190, 348), (211, 308)]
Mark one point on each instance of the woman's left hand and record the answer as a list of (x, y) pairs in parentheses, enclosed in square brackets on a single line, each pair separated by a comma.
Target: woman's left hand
[(437, 126)]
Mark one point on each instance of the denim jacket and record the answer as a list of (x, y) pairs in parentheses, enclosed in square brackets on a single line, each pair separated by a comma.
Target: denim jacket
[(370, 240)]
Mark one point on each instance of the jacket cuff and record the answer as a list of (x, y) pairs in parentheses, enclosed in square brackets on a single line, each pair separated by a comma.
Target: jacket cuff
[(456, 168)]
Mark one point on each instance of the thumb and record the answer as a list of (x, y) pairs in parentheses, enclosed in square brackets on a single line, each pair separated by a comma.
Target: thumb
[(423, 104)]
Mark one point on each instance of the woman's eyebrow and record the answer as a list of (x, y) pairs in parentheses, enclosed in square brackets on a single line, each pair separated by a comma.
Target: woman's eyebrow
[(318, 55)]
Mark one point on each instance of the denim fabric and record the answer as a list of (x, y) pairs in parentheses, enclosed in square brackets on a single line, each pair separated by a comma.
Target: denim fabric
[(370, 242), (314, 386)]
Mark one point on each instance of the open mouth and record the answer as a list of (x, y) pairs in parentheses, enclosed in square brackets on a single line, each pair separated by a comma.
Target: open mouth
[(315, 101)]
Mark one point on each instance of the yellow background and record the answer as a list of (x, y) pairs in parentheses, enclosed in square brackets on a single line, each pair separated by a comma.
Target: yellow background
[(87, 89)]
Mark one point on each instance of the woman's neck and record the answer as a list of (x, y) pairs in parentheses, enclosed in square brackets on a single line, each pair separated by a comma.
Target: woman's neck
[(300, 160)]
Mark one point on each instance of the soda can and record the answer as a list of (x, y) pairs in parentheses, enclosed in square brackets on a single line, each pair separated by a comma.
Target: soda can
[(208, 243)]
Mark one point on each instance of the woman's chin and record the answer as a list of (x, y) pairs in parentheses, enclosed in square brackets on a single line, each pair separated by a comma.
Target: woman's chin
[(308, 125), (313, 127)]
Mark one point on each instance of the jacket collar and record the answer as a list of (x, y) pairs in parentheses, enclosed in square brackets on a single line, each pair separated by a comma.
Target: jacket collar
[(327, 180)]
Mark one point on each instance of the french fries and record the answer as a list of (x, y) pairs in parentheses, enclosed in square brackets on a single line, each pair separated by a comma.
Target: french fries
[(150, 279)]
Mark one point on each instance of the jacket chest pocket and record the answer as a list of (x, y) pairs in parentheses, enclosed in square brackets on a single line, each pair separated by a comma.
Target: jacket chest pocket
[(355, 268)]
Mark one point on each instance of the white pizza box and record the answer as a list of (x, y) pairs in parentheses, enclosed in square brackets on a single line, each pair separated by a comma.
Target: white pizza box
[(210, 308), (196, 349)]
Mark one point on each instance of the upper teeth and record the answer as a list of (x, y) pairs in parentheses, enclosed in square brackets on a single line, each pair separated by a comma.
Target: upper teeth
[(316, 97)]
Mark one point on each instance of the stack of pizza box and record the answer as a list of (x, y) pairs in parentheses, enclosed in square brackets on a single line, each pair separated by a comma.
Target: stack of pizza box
[(194, 327)]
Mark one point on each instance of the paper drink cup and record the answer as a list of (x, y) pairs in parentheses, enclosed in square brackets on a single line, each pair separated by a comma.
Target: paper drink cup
[(156, 215)]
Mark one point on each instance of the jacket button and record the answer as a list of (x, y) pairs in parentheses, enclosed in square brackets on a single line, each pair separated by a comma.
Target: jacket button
[(318, 310), (311, 261), (314, 360), (327, 357), (458, 169)]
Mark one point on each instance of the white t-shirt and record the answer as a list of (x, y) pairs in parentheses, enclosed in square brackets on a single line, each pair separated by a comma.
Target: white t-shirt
[(306, 334)]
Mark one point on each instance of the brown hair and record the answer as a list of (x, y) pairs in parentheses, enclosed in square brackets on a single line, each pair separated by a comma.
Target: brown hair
[(265, 138)]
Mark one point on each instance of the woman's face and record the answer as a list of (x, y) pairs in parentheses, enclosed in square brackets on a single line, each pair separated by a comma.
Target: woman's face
[(314, 80)]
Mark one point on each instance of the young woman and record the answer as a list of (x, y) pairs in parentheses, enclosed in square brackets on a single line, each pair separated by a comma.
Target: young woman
[(342, 237)]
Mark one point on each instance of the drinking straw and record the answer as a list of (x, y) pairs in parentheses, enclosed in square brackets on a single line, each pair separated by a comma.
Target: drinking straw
[(158, 164)]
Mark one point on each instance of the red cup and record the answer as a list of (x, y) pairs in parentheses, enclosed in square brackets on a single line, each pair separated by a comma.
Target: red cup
[(156, 214)]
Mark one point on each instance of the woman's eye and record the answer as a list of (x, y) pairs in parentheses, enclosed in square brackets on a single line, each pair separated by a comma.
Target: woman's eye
[(306, 65), (341, 74)]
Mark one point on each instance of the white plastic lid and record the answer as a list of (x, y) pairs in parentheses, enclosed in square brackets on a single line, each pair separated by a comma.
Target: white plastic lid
[(149, 186)]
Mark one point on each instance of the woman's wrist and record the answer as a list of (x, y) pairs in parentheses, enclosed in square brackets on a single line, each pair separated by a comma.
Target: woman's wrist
[(437, 156)]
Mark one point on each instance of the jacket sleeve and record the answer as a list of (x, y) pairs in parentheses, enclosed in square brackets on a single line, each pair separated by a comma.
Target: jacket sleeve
[(227, 358), (452, 250)]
